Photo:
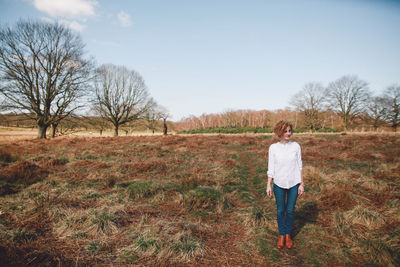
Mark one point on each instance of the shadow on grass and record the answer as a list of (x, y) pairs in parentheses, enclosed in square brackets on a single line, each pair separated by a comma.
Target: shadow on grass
[(307, 214)]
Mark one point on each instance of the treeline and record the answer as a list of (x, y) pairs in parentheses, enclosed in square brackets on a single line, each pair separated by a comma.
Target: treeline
[(73, 124), (345, 104), (247, 121)]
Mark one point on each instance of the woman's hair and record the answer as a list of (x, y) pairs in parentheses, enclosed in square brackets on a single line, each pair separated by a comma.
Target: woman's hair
[(280, 127)]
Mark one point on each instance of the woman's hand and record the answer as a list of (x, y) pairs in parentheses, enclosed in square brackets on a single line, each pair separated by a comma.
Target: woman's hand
[(301, 190), (269, 191)]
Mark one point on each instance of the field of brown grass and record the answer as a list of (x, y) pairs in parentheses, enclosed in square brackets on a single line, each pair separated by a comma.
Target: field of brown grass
[(195, 200)]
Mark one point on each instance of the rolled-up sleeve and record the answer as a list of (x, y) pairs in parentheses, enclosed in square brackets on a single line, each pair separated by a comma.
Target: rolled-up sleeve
[(271, 163)]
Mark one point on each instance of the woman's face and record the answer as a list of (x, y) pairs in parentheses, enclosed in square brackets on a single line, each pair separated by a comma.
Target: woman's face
[(287, 134)]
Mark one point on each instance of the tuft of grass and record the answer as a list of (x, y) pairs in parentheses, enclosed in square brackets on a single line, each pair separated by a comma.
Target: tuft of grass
[(146, 245), (63, 160), (187, 247), (95, 246), (89, 223), (110, 181), (379, 253), (364, 216), (203, 198), (257, 216), (104, 221), (22, 236), (143, 189)]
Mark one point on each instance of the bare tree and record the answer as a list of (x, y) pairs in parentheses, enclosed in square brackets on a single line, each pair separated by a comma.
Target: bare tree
[(375, 111), (42, 71), (153, 117), (347, 96), (121, 95), (164, 115), (310, 102), (392, 96)]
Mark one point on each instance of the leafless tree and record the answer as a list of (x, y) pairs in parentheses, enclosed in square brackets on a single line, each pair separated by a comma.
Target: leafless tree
[(42, 71), (310, 102), (375, 111), (153, 117), (347, 96), (121, 95), (392, 96), (164, 115)]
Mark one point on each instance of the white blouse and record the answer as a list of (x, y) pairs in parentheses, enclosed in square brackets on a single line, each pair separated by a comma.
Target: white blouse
[(284, 164)]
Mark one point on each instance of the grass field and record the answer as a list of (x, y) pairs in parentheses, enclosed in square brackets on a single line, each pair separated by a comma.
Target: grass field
[(196, 200)]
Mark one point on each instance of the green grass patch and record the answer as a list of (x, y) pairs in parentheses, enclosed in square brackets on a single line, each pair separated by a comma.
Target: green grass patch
[(143, 189), (203, 198), (266, 248)]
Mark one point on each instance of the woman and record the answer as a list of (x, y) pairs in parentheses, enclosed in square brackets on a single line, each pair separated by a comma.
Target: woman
[(284, 166)]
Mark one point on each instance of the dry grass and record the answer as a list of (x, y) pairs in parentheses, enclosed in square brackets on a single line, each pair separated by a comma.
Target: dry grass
[(196, 200)]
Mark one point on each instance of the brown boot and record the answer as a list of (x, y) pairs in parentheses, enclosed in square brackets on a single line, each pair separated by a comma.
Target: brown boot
[(281, 241), (289, 242)]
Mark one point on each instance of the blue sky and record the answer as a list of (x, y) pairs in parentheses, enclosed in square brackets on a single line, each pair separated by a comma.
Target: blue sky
[(211, 56)]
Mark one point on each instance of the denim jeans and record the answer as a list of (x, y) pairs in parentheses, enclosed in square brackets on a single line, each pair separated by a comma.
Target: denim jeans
[(285, 202)]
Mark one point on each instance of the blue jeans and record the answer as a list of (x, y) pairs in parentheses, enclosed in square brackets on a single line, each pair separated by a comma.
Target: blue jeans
[(285, 202)]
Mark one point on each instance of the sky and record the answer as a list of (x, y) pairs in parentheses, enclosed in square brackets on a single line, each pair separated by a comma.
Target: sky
[(211, 56)]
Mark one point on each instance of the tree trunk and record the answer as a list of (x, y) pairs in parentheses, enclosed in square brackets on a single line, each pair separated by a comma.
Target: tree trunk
[(116, 130), (53, 130), (42, 131), (165, 127)]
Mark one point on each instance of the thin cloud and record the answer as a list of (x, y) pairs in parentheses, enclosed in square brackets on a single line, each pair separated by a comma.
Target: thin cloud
[(74, 25), (66, 8), (124, 19)]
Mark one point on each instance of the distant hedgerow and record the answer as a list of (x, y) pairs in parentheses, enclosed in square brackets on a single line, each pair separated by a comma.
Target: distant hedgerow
[(227, 130)]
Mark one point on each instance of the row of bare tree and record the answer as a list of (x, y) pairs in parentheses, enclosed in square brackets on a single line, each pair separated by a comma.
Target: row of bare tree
[(343, 103), (45, 75), (254, 119), (351, 99)]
